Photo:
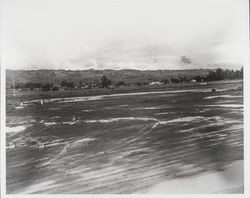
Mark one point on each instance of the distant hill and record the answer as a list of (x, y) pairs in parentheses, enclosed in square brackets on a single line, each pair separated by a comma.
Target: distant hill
[(126, 75)]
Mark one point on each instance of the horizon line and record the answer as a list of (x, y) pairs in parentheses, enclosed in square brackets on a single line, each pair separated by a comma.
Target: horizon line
[(120, 69)]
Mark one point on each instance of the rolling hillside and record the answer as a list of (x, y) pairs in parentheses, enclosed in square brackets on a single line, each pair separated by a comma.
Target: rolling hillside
[(128, 76)]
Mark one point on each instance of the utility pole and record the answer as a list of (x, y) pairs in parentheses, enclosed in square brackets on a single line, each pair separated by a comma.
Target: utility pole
[(13, 86), (91, 81)]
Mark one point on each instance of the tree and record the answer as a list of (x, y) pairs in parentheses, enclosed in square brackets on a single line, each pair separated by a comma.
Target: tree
[(138, 83), (183, 79), (105, 81), (165, 81), (47, 87), (174, 80), (67, 84), (55, 88), (219, 74), (211, 76), (241, 72), (81, 84), (120, 83), (64, 83), (145, 83), (71, 85)]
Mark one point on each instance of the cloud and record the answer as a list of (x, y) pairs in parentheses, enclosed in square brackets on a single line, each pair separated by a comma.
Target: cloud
[(94, 34), (186, 60)]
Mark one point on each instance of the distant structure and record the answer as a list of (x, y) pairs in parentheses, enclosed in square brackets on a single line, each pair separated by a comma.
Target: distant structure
[(155, 83)]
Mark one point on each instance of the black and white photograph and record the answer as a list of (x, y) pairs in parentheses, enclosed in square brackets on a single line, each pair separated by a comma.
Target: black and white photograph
[(123, 96)]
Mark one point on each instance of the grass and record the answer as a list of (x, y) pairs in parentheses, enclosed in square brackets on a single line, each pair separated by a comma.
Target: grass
[(21, 96)]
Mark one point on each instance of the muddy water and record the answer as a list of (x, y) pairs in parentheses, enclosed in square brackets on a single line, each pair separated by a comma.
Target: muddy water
[(122, 144)]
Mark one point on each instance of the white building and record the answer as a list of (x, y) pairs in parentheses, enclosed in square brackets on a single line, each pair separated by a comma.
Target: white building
[(155, 83)]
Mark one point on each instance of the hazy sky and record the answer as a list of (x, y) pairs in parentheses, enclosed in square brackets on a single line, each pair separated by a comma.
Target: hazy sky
[(117, 34)]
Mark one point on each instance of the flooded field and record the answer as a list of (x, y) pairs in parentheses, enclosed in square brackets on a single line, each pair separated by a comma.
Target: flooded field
[(123, 143)]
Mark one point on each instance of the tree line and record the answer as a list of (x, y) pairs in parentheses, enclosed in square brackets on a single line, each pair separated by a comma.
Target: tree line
[(227, 74), (105, 82)]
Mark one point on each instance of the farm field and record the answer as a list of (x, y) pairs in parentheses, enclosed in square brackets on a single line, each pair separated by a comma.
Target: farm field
[(122, 141)]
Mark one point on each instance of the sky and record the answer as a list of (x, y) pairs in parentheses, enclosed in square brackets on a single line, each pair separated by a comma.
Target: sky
[(123, 34)]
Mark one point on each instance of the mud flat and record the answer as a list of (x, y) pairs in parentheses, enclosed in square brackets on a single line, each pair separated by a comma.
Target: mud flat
[(148, 142)]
